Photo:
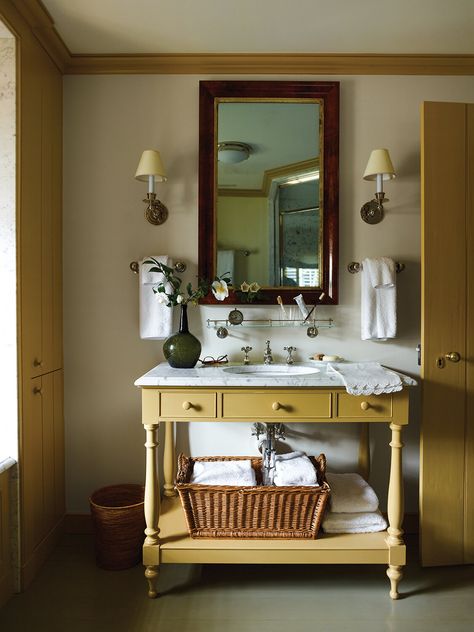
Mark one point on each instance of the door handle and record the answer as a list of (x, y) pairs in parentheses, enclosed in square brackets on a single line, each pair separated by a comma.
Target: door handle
[(453, 356)]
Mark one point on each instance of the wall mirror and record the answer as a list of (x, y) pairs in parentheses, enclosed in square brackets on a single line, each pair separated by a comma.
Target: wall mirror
[(268, 187)]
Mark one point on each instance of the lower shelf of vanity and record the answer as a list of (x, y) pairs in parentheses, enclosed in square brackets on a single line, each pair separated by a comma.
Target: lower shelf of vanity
[(177, 547)]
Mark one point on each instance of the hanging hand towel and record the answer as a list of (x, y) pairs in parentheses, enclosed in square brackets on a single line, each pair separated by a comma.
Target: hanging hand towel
[(351, 493), (225, 263), (156, 319), (367, 378), (378, 299)]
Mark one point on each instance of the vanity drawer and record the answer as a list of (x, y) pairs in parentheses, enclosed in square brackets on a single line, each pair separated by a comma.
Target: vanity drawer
[(278, 405), (364, 406), (188, 404)]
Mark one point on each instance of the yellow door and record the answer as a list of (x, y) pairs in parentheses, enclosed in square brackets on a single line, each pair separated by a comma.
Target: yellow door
[(446, 459)]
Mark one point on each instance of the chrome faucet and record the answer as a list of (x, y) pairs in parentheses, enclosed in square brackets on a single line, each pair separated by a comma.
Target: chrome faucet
[(246, 352), (289, 358), (267, 356)]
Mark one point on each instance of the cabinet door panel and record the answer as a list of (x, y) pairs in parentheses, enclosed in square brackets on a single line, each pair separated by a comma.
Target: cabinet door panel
[(30, 249), (40, 225), (31, 464), (442, 459)]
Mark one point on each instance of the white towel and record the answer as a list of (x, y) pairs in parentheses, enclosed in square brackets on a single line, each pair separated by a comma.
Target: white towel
[(364, 522), (156, 319), (236, 473), (350, 493), (366, 378), (225, 263), (378, 299), (294, 469)]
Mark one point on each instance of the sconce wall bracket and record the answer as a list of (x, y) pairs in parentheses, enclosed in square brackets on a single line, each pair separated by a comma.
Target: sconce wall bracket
[(372, 212), (156, 212)]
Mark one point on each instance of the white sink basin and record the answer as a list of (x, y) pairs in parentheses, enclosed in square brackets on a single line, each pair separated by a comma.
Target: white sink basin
[(270, 370)]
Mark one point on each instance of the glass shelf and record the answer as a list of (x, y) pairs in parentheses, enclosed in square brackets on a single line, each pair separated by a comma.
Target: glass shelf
[(312, 325)]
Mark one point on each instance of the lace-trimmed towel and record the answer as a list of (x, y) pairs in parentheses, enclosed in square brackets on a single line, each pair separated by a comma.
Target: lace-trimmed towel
[(367, 378)]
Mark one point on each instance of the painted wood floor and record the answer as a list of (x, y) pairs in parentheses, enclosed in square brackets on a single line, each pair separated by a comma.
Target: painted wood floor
[(73, 595)]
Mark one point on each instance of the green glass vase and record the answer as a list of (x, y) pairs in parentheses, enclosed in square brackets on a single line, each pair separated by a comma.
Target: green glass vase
[(182, 350)]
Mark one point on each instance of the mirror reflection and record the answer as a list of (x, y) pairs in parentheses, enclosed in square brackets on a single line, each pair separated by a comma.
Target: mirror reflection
[(268, 187), (268, 192)]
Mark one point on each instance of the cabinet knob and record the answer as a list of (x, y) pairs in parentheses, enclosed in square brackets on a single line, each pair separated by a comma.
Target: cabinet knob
[(37, 362), (37, 390), (187, 405), (276, 406), (454, 356), (365, 405)]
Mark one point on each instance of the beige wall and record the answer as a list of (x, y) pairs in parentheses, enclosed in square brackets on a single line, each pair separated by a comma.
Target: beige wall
[(109, 120), (243, 225)]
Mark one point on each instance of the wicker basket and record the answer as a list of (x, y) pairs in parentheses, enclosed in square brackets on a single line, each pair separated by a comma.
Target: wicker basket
[(214, 511), (119, 524)]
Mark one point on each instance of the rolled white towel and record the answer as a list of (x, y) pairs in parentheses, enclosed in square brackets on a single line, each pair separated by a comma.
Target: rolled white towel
[(294, 469), (236, 473), (360, 522), (350, 493)]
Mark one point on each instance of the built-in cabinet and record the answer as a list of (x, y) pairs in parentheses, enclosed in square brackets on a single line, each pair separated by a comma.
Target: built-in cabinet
[(447, 430), (6, 574), (39, 231)]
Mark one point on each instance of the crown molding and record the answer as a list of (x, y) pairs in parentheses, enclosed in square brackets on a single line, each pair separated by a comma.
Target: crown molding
[(37, 17), (272, 63), (41, 24)]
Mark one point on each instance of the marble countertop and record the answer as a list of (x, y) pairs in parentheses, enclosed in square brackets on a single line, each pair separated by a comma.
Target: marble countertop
[(211, 376)]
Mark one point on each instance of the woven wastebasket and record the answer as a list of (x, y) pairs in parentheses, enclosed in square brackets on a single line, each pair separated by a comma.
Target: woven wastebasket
[(118, 521)]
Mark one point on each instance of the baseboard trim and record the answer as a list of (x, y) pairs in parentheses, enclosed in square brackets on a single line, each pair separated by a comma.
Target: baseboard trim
[(77, 523), (31, 567), (6, 588)]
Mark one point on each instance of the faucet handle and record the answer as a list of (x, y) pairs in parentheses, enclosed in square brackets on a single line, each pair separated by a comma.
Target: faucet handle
[(246, 352), (289, 359)]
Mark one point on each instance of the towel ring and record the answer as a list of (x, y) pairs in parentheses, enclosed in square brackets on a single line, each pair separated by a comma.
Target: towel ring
[(179, 267), (355, 266)]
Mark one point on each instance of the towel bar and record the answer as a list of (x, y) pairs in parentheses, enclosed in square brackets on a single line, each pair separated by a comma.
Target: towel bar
[(355, 266), (179, 266)]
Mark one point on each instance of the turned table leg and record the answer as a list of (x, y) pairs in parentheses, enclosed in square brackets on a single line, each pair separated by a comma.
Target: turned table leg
[(395, 506), (151, 546), (169, 461)]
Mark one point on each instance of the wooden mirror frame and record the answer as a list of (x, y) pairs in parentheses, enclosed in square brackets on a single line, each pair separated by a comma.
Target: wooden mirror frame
[(328, 93)]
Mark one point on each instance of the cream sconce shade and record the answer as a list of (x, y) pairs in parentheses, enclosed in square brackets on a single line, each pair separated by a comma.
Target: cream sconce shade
[(379, 168), (150, 169)]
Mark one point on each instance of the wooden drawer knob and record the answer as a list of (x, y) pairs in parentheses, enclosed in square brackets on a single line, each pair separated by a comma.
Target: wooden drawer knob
[(365, 405), (37, 390), (37, 362), (187, 405), (276, 406)]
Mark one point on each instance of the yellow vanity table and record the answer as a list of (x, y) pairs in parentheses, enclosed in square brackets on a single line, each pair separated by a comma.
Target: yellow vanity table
[(210, 394)]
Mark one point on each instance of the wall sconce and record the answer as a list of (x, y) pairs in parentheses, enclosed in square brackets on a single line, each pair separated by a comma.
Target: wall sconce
[(378, 168), (150, 168)]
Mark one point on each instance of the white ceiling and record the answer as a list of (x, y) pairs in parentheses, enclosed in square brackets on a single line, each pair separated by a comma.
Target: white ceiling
[(265, 26)]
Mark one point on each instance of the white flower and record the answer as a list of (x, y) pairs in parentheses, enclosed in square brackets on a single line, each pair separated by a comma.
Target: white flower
[(244, 287), (161, 297), (179, 298), (254, 287), (220, 290)]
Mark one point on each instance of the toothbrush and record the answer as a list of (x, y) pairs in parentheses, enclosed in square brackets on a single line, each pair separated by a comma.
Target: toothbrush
[(280, 303), (321, 296)]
